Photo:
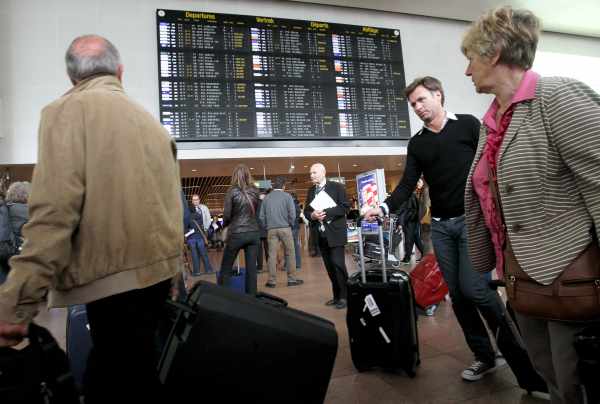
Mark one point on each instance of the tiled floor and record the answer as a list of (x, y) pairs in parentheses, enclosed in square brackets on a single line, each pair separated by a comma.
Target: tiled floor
[(444, 353)]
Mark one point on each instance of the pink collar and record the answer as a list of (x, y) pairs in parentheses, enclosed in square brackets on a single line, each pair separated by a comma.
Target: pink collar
[(526, 91)]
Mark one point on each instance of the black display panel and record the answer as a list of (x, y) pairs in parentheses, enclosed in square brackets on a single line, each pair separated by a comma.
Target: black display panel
[(233, 77)]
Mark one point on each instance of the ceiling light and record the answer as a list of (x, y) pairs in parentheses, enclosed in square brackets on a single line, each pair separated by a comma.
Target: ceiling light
[(252, 168), (194, 170), (354, 165), (305, 166)]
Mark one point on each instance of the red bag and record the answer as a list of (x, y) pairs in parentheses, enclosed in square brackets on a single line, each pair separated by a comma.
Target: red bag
[(428, 283)]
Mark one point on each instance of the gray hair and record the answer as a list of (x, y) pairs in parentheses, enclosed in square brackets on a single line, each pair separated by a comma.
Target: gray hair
[(18, 192), (89, 55), (514, 33)]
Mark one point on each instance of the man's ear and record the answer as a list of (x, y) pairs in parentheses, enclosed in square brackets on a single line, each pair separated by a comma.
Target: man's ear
[(120, 70)]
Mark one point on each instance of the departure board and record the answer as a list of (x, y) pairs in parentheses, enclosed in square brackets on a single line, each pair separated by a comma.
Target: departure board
[(225, 76)]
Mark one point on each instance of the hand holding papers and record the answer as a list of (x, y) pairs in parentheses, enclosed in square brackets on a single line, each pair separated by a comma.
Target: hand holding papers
[(322, 201)]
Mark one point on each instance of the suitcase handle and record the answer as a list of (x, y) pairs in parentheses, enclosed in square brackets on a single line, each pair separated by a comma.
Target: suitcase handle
[(272, 299), (182, 307), (362, 253)]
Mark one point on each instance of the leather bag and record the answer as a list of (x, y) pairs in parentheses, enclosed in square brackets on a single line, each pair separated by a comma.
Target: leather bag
[(573, 296)]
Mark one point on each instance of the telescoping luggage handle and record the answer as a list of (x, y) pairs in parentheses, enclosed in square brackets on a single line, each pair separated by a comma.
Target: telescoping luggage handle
[(361, 250)]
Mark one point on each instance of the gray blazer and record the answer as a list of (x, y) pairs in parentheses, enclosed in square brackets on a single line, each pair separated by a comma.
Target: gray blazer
[(548, 180)]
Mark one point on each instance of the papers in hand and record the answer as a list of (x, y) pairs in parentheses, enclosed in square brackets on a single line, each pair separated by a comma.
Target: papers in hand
[(322, 201)]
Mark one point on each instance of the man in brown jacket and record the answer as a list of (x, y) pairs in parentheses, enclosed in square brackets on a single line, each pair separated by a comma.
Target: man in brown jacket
[(89, 239)]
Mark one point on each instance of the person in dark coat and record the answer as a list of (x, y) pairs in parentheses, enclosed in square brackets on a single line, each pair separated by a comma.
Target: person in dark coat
[(330, 228)]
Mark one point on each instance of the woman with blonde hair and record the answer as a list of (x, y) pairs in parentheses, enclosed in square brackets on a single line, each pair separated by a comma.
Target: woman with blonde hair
[(243, 232), (532, 198)]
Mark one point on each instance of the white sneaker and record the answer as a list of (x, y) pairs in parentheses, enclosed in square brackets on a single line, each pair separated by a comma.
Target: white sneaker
[(500, 361)]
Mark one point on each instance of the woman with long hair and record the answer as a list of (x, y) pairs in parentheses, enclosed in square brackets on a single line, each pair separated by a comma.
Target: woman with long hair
[(243, 232)]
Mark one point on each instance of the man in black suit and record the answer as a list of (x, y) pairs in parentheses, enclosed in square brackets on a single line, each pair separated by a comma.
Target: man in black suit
[(330, 225)]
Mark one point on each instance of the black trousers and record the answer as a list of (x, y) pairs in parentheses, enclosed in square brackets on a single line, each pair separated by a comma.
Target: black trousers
[(121, 367), (335, 264), (263, 249), (412, 236), (235, 242)]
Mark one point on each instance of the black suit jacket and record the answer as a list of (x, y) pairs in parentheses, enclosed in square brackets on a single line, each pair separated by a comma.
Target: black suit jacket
[(335, 219)]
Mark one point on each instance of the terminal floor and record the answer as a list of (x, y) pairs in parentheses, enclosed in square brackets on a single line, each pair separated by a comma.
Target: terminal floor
[(444, 353)]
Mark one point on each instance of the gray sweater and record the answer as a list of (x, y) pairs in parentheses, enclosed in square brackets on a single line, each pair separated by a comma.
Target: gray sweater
[(277, 210)]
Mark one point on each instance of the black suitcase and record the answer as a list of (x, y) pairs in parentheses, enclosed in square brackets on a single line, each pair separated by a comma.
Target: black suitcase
[(381, 318), (246, 349), (79, 341), (587, 346), (38, 373), (514, 351)]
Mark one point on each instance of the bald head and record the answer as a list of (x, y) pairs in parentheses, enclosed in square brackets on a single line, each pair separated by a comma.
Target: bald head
[(317, 173), (89, 55)]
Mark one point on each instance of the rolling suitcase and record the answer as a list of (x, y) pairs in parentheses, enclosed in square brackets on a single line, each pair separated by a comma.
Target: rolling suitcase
[(79, 341), (381, 318), (514, 351), (238, 281), (246, 349)]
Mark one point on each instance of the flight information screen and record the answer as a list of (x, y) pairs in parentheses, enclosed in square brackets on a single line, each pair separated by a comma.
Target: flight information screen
[(225, 76)]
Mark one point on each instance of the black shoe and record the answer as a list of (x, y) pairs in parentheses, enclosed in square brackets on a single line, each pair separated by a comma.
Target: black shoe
[(331, 302), (270, 285), (295, 282), (341, 304)]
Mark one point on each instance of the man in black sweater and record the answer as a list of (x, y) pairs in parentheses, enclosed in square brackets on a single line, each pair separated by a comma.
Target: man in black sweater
[(443, 151)]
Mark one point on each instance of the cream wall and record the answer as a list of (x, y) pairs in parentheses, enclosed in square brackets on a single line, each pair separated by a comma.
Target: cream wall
[(34, 35)]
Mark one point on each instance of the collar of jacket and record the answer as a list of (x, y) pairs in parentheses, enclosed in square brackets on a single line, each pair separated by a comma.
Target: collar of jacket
[(103, 80)]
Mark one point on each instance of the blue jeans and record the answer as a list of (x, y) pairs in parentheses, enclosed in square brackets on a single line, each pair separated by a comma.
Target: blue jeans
[(295, 236), (198, 249), (469, 290)]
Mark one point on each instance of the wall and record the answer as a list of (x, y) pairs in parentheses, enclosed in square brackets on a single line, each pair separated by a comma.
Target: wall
[(36, 33)]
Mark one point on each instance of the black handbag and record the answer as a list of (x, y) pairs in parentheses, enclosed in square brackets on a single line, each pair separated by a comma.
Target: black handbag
[(38, 373)]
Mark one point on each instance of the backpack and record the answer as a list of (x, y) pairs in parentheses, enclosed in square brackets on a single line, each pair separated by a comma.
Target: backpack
[(9, 242)]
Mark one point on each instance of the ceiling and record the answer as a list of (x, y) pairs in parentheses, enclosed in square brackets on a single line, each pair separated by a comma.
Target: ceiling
[(579, 17)]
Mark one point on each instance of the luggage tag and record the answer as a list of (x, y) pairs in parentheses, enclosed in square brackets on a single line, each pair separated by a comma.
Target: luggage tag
[(371, 305)]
